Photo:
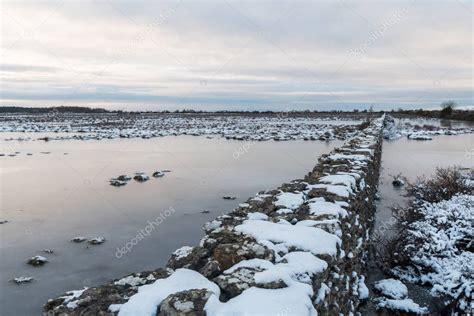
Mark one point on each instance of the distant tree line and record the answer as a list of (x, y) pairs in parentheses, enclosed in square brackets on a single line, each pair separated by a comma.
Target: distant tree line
[(55, 109), (448, 111)]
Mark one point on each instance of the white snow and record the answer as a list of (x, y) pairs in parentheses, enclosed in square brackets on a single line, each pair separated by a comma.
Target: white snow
[(340, 190), (405, 305), (326, 208), (392, 288), (69, 298), (348, 157), (257, 216), (311, 239), (150, 296), (438, 259), (290, 200), (130, 280), (346, 180), (322, 292), (362, 289), (292, 300), (114, 307), (182, 252)]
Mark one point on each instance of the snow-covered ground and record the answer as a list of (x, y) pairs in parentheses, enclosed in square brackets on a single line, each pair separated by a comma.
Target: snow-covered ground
[(394, 130), (245, 127), (442, 243)]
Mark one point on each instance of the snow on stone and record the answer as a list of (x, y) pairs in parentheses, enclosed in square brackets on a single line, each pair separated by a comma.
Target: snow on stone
[(257, 216), (69, 298), (292, 300), (405, 305), (289, 200), (322, 292), (347, 180), (362, 290), (130, 280), (347, 157), (150, 296), (22, 279), (326, 208), (311, 239), (283, 211), (391, 288), (340, 190), (182, 252), (419, 136), (294, 266), (250, 263), (113, 308)]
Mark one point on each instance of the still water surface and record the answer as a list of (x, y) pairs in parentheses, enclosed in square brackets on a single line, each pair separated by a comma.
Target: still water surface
[(50, 198)]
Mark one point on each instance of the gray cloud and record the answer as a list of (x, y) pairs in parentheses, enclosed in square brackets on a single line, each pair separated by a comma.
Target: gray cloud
[(236, 54)]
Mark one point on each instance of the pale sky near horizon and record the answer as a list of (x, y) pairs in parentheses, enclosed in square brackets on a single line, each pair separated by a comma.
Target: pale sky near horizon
[(236, 55)]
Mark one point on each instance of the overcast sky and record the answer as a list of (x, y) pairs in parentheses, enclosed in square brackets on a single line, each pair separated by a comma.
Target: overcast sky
[(248, 55)]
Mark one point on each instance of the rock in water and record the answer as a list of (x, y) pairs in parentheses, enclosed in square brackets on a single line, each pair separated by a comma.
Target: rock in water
[(398, 182), (79, 239), (229, 197), (158, 174), (97, 240), (141, 177), (37, 261), (22, 279), (117, 183), (124, 177)]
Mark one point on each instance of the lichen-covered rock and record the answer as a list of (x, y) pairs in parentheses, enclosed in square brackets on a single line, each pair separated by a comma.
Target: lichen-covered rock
[(189, 302)]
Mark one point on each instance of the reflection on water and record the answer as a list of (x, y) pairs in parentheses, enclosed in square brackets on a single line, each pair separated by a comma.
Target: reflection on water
[(50, 198)]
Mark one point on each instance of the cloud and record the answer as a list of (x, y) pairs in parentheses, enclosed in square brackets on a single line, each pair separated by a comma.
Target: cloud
[(239, 54)]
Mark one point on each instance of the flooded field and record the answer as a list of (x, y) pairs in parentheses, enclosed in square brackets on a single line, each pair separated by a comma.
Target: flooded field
[(50, 198), (53, 191)]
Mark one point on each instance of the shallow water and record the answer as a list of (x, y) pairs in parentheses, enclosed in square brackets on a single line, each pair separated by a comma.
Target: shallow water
[(413, 159), (50, 198)]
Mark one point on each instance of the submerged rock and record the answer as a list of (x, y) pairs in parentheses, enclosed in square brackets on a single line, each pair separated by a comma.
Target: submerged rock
[(418, 136), (37, 261), (229, 197), (124, 177), (79, 239), (398, 182), (117, 183), (141, 177), (22, 279), (96, 241), (158, 174)]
